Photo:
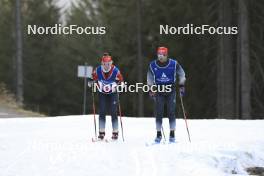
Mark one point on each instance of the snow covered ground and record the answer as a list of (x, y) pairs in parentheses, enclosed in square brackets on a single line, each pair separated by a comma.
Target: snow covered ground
[(62, 146)]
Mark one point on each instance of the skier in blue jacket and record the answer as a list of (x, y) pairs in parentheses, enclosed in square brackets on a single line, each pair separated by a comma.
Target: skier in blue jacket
[(164, 71)]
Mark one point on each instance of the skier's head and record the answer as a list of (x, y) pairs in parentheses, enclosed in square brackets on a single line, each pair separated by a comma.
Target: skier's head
[(162, 53), (106, 62)]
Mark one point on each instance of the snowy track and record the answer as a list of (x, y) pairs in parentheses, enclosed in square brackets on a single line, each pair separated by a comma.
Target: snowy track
[(63, 146)]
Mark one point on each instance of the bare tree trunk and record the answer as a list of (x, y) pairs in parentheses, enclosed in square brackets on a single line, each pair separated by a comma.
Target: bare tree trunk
[(139, 59), (245, 77), (238, 80), (225, 67), (19, 61)]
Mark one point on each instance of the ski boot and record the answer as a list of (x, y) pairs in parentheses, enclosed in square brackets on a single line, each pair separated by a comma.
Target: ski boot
[(158, 137), (114, 135), (172, 136), (101, 135)]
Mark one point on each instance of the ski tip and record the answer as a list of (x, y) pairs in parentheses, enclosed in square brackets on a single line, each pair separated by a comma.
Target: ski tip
[(99, 140), (148, 144)]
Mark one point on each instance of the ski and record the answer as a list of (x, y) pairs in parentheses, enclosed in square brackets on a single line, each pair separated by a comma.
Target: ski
[(172, 142), (99, 140), (148, 144), (104, 140)]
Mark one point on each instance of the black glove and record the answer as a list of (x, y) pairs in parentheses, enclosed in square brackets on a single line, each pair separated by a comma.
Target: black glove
[(182, 90)]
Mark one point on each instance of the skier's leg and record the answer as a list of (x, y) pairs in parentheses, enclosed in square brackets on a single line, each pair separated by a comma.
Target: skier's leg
[(171, 110), (102, 113), (159, 109), (114, 106)]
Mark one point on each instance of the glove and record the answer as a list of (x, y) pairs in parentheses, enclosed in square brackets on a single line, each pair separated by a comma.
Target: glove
[(182, 90), (89, 79), (90, 82), (152, 94)]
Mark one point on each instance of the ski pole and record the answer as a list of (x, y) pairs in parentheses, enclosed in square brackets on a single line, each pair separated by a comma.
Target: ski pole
[(94, 111), (184, 114), (120, 116), (163, 133)]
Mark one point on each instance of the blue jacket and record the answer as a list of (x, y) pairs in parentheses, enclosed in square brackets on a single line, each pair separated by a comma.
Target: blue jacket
[(165, 75)]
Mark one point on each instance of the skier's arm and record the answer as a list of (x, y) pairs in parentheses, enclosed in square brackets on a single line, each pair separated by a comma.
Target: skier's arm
[(94, 75), (150, 81), (181, 74), (182, 79), (150, 77), (119, 77), (93, 79)]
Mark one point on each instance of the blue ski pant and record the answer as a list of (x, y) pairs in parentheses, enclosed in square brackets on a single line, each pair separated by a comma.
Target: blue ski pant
[(108, 102), (170, 100)]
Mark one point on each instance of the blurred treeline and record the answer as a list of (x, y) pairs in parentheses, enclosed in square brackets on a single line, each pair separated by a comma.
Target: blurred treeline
[(225, 74)]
